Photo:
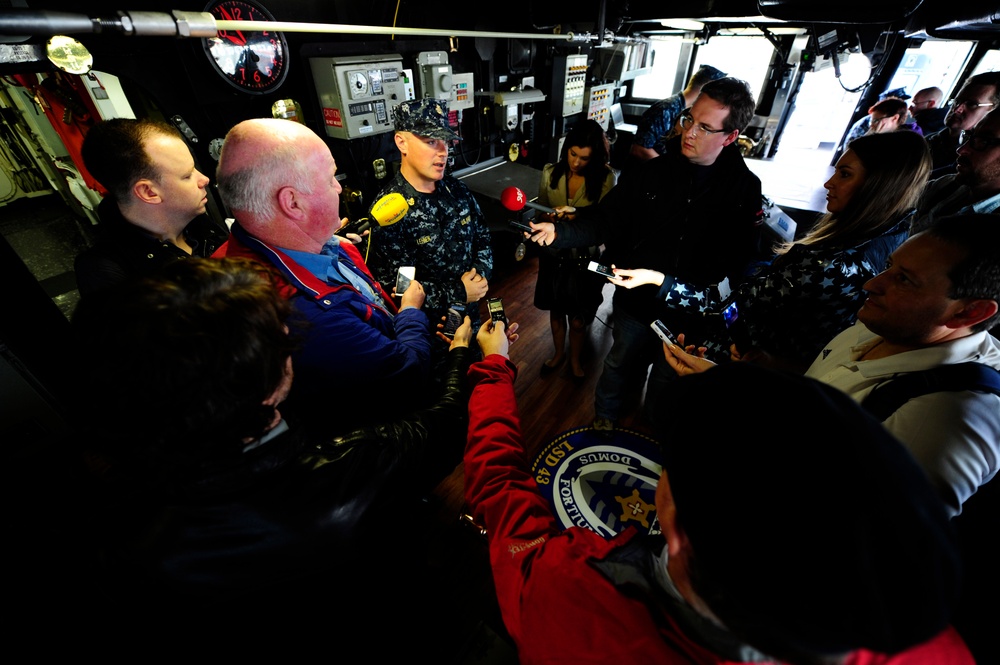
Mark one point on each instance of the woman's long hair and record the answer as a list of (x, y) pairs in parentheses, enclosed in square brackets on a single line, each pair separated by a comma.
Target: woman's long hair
[(587, 134), (897, 165)]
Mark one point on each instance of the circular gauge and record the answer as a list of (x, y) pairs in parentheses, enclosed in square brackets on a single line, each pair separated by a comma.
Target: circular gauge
[(359, 84), (254, 62)]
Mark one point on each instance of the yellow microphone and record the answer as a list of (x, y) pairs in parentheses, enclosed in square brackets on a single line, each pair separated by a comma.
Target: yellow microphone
[(387, 210)]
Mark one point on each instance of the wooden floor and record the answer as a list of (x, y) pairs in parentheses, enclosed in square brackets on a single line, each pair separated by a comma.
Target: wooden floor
[(555, 403), (548, 406)]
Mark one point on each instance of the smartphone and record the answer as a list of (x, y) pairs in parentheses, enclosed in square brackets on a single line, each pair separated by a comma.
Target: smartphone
[(495, 306), (453, 319), (521, 226), (403, 278), (601, 269), (663, 332), (730, 314), (357, 226)]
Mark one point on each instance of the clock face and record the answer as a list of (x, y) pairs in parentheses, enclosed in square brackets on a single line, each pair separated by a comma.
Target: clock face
[(254, 62)]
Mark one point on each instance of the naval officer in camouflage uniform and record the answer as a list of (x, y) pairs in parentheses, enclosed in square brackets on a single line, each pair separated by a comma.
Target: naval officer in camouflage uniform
[(444, 235)]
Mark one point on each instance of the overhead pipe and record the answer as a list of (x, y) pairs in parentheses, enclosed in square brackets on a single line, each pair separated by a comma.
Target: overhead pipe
[(204, 25)]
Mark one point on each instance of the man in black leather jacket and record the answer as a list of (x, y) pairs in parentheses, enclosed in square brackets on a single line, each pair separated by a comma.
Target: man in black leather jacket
[(695, 212), (207, 498)]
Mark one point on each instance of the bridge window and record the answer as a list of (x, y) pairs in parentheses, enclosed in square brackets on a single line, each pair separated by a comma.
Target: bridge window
[(933, 63), (659, 84)]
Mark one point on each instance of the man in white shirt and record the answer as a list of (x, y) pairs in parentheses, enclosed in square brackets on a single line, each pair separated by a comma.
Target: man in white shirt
[(932, 306)]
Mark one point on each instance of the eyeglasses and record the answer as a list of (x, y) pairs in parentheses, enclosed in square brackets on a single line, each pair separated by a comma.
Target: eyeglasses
[(916, 105), (979, 142), (969, 105), (687, 122)]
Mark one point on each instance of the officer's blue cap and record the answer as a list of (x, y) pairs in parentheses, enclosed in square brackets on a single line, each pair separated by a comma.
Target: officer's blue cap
[(899, 93), (426, 117)]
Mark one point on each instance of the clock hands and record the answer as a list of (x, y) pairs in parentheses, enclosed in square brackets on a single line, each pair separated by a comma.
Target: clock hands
[(253, 61), (236, 38)]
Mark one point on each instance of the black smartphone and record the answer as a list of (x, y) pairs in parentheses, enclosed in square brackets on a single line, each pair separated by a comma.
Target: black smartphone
[(453, 319), (357, 226), (663, 332), (495, 306), (601, 269), (521, 226)]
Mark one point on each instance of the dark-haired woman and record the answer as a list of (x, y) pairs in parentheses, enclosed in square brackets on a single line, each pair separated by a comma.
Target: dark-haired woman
[(580, 178)]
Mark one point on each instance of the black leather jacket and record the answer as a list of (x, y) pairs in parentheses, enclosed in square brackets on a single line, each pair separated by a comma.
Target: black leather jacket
[(289, 520)]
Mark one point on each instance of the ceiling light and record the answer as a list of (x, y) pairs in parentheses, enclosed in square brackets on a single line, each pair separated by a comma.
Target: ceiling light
[(682, 24)]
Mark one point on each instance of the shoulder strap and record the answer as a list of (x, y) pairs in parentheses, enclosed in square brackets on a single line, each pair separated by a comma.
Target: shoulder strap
[(883, 401)]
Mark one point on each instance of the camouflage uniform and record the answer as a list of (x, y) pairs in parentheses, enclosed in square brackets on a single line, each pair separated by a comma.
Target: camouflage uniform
[(443, 235)]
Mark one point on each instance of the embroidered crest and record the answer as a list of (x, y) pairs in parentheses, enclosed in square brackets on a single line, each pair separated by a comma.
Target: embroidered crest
[(601, 485)]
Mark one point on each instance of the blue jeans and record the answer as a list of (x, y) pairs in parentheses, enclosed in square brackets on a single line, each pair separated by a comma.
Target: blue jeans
[(633, 347)]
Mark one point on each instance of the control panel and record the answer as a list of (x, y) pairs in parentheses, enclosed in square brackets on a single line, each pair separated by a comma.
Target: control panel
[(358, 93), (599, 100), (462, 97), (575, 84)]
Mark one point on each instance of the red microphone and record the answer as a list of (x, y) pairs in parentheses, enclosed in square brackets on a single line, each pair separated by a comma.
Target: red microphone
[(515, 200)]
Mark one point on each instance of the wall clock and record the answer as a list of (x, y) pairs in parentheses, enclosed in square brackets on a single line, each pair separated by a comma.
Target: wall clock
[(254, 62)]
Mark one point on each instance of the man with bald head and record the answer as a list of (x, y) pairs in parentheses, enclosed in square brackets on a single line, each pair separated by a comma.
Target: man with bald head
[(279, 180), (927, 110)]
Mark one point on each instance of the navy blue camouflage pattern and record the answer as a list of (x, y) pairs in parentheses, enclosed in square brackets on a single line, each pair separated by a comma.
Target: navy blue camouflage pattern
[(657, 123), (424, 117), (444, 235)]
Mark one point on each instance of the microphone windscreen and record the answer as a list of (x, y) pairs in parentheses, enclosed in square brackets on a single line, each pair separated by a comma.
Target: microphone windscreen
[(389, 209), (513, 199)]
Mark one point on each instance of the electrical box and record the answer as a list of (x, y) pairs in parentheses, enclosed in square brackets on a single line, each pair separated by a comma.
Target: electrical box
[(575, 82), (599, 100), (434, 75), (462, 97), (408, 86), (358, 93)]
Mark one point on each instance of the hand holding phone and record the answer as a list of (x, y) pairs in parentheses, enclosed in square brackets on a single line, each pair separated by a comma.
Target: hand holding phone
[(404, 276), (495, 307), (600, 269), (663, 332), (452, 320)]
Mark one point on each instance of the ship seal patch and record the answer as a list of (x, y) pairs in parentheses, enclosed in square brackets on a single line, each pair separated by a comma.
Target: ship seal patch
[(605, 486)]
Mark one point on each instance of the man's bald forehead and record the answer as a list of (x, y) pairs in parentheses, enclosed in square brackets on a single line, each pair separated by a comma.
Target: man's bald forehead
[(248, 139)]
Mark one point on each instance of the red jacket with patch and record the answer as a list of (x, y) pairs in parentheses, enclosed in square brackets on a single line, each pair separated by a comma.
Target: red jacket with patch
[(557, 604)]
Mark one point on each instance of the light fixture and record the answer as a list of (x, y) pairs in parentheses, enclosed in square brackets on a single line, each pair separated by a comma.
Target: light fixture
[(683, 24)]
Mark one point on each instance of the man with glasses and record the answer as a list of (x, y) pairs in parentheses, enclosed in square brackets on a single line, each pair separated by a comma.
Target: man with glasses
[(975, 185), (978, 96), (658, 122), (695, 212), (926, 109)]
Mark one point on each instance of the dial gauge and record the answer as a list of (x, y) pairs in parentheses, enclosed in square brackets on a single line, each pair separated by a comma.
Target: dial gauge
[(358, 83), (254, 62)]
